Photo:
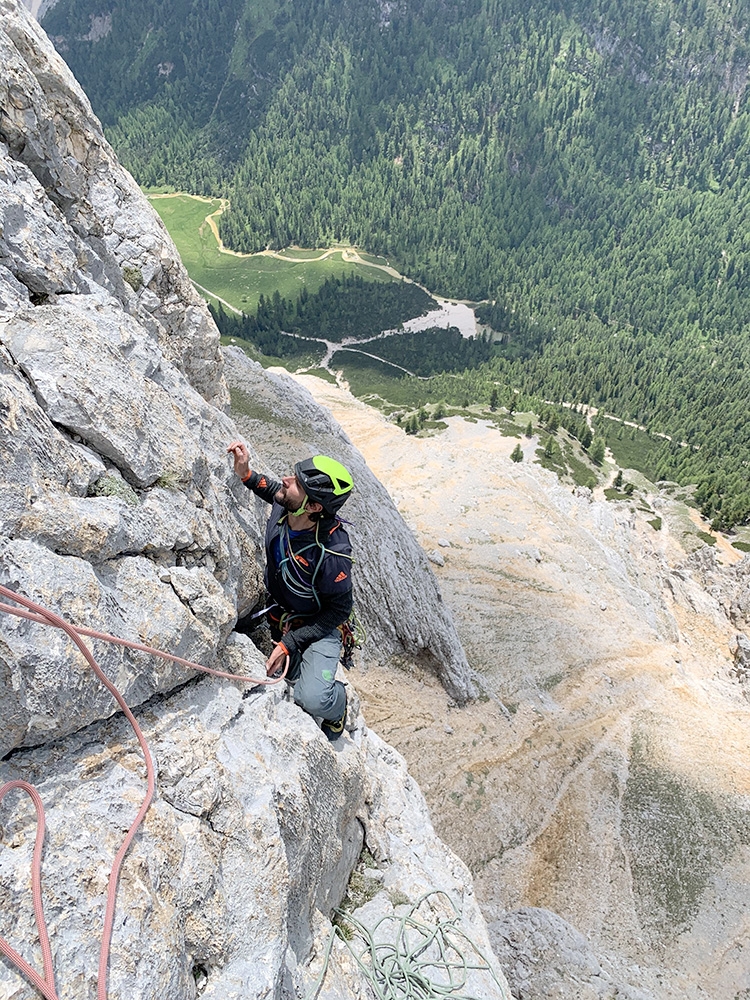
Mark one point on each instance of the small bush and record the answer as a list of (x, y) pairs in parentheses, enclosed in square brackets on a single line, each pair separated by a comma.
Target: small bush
[(705, 537), (113, 486), (134, 277)]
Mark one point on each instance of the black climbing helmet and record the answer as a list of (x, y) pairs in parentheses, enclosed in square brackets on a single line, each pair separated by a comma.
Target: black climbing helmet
[(325, 481)]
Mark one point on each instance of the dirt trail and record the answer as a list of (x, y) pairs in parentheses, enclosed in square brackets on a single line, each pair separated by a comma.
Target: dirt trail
[(349, 255)]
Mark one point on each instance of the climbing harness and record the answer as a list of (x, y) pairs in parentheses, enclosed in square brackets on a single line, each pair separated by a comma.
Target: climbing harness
[(408, 957), (35, 612)]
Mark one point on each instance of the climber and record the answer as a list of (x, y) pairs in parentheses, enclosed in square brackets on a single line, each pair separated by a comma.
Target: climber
[(309, 576)]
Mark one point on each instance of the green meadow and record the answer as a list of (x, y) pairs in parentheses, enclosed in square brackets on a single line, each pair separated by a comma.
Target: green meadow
[(240, 279)]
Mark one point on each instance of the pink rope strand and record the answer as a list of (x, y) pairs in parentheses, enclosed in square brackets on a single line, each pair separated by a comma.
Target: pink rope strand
[(36, 613), (45, 986)]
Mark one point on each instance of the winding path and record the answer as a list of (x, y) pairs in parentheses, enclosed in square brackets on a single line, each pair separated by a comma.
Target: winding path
[(218, 298), (445, 315)]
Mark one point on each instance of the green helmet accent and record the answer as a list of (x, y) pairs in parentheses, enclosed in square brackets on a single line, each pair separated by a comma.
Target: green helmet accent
[(325, 481)]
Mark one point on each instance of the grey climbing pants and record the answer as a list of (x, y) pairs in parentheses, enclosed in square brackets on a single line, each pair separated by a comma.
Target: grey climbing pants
[(316, 690)]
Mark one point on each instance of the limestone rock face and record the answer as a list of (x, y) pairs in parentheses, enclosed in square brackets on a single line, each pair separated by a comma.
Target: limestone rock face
[(119, 510), (396, 593), (546, 957), (249, 846), (73, 220)]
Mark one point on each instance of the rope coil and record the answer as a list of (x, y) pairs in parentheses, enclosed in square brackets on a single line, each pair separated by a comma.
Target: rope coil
[(417, 960), (35, 612)]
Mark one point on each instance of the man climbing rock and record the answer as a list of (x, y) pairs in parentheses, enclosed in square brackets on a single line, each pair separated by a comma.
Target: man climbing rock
[(309, 576)]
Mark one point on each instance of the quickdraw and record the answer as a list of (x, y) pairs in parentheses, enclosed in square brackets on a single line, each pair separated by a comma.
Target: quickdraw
[(352, 637)]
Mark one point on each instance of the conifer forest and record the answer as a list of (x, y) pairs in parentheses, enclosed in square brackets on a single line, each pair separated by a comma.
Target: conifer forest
[(581, 169)]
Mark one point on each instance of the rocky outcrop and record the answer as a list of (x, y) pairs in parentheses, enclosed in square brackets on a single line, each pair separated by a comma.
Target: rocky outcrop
[(119, 510), (728, 585), (249, 846), (74, 220), (545, 957)]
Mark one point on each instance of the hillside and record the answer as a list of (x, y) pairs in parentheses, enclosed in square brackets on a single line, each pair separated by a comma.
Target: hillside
[(582, 165), (601, 801)]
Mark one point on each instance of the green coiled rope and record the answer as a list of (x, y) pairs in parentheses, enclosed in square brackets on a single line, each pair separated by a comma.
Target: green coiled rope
[(417, 960)]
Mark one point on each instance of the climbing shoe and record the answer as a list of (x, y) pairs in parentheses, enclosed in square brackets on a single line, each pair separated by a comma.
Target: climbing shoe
[(334, 729)]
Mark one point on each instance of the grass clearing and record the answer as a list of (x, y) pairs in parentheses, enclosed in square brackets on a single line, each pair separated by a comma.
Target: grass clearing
[(240, 280), (371, 377), (614, 494), (323, 374)]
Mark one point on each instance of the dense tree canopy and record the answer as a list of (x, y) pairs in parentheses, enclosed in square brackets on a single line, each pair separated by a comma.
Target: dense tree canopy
[(583, 166)]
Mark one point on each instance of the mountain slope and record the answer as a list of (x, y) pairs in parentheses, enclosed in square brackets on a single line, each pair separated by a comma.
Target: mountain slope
[(582, 165), (119, 511)]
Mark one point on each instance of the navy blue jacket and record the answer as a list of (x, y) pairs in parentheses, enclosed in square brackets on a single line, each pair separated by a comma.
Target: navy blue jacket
[(308, 573)]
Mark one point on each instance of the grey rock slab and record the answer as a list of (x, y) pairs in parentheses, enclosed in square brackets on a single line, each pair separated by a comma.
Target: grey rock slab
[(48, 687), (94, 373), (36, 458), (36, 244), (13, 294), (174, 892), (257, 823), (101, 528)]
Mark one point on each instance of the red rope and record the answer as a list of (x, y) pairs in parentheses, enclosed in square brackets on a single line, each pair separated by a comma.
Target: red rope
[(35, 612), (45, 986)]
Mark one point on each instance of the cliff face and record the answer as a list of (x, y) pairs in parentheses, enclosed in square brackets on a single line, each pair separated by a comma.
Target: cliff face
[(396, 594), (119, 511)]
